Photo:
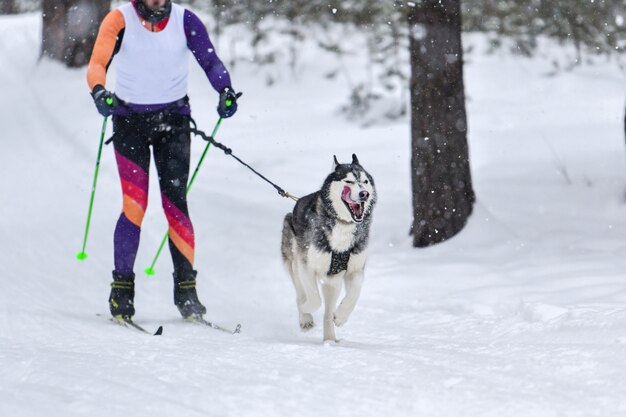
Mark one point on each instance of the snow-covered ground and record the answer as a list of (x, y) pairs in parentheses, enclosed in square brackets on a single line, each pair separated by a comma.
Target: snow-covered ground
[(522, 314)]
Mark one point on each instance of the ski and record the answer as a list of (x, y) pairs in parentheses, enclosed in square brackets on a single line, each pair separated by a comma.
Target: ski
[(201, 321), (131, 324)]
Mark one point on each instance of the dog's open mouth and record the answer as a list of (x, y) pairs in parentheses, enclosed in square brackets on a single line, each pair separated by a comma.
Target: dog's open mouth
[(356, 208)]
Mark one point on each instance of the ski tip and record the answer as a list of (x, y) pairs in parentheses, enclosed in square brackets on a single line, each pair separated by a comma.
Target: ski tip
[(81, 256), (159, 331), (149, 271)]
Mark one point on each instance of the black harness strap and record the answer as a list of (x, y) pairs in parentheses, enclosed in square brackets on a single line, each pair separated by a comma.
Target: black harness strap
[(339, 262)]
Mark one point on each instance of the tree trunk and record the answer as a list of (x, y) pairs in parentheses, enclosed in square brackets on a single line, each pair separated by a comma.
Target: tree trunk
[(443, 197), (70, 28), (8, 7)]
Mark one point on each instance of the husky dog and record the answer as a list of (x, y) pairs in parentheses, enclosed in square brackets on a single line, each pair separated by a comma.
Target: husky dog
[(324, 241)]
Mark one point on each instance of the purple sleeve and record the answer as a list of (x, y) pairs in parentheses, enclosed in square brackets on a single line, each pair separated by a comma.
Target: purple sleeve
[(200, 45)]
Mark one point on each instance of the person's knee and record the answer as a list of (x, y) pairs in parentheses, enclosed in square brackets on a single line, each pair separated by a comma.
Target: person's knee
[(134, 210)]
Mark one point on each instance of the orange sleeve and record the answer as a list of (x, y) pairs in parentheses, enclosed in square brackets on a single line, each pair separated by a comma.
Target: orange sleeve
[(104, 48)]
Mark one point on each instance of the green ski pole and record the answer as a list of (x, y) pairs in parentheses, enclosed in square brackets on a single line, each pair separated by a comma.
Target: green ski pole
[(82, 255), (150, 270)]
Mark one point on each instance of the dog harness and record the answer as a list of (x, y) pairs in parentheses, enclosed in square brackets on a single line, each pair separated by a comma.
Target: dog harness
[(338, 262)]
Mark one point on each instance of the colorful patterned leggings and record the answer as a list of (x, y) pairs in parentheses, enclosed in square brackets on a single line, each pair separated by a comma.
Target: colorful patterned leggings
[(133, 136)]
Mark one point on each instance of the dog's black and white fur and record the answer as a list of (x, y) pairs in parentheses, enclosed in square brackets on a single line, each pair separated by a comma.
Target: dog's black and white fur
[(325, 241)]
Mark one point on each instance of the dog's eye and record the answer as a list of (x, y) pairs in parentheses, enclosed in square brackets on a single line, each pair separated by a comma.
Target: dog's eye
[(366, 182), (349, 182)]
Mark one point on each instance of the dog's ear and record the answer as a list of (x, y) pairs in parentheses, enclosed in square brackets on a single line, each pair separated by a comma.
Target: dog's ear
[(335, 162), (355, 160)]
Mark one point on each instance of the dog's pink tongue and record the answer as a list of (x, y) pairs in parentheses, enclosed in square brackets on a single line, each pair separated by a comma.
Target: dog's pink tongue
[(345, 194), (355, 207)]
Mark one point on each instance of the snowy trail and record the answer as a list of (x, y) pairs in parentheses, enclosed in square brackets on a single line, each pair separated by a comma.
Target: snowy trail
[(523, 314)]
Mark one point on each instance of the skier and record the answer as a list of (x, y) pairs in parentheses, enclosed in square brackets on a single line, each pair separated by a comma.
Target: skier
[(150, 40)]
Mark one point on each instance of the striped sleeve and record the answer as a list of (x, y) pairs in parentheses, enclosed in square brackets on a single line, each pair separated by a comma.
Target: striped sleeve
[(110, 31), (200, 45)]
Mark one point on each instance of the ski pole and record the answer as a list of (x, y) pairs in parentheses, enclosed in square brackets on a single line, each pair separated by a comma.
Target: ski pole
[(82, 255), (150, 270)]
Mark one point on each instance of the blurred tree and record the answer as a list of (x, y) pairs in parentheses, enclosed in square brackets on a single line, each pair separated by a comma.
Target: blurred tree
[(443, 196), (8, 7), (592, 26), (70, 28), (595, 25)]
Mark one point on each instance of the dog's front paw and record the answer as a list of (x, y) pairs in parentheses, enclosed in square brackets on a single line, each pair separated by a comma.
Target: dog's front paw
[(306, 322), (340, 319)]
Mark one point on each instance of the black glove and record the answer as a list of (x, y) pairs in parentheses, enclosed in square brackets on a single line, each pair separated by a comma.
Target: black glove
[(105, 100), (228, 103)]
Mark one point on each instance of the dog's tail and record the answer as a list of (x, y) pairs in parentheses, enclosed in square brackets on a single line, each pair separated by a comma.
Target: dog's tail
[(288, 239)]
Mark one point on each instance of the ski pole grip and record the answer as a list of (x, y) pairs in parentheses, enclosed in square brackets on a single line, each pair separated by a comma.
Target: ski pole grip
[(229, 103)]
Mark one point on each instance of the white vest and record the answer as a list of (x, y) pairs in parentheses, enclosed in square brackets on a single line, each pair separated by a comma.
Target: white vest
[(152, 67)]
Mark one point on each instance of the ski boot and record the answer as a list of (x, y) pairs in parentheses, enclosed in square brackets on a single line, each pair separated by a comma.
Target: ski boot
[(122, 295), (185, 295)]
